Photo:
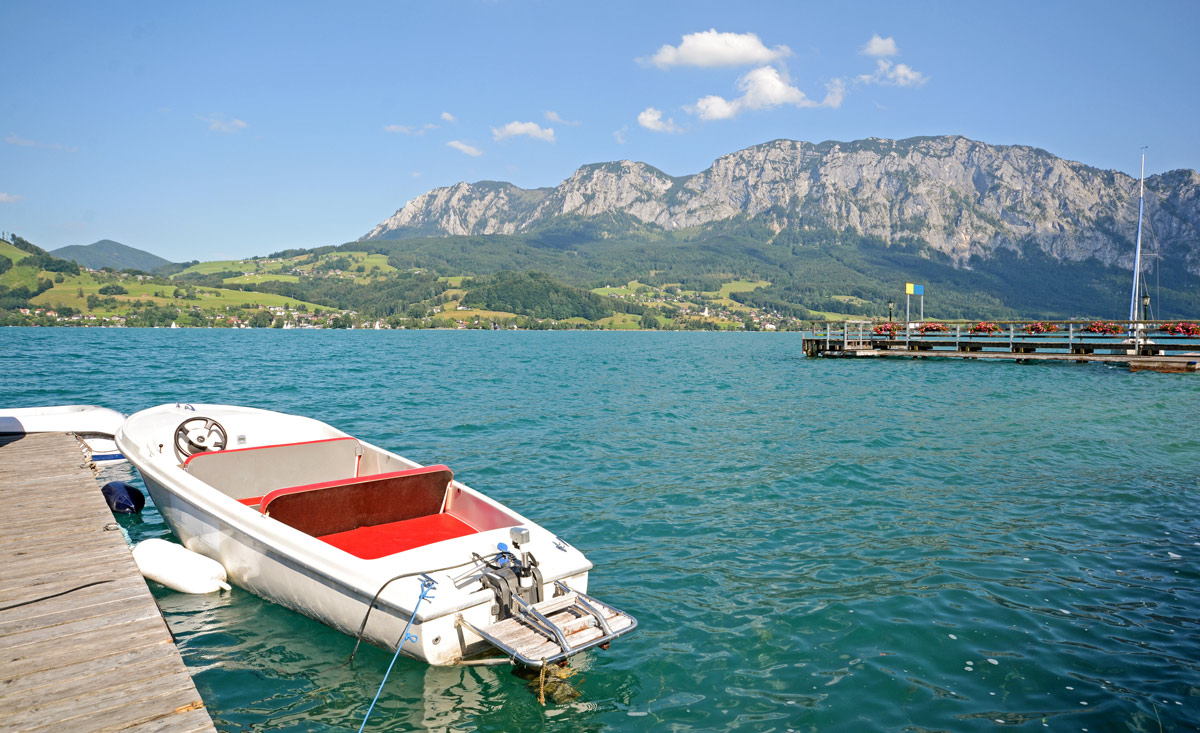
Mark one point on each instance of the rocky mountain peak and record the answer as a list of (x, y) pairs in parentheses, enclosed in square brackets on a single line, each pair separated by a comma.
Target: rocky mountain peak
[(956, 195)]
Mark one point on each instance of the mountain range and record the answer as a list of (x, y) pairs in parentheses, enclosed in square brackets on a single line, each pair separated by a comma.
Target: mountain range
[(816, 230), (964, 199)]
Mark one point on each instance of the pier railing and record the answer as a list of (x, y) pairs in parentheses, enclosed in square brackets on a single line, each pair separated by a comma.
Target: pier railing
[(1139, 338)]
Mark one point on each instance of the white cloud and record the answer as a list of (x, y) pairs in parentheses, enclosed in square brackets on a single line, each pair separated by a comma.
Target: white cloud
[(651, 119), (712, 48), (448, 117), (896, 75), (27, 143), (410, 129), (553, 117), (713, 107), (887, 72), (10, 198), (514, 129), (415, 174), (880, 46), (835, 92), (765, 88), (619, 135), (462, 147), (216, 124)]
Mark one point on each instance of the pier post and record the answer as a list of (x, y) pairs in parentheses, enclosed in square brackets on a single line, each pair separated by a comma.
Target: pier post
[(1012, 336), (957, 337)]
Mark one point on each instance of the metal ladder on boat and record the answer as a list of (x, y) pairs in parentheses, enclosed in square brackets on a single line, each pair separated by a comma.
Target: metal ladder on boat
[(556, 628)]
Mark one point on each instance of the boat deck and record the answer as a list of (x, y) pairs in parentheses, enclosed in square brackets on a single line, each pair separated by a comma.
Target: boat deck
[(83, 645)]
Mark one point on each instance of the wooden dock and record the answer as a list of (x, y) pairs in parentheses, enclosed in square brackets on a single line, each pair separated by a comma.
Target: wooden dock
[(83, 646), (1069, 341)]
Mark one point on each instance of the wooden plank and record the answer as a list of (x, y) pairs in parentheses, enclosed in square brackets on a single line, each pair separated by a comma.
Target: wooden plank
[(49, 670), (31, 499), (18, 539), (69, 531), (74, 670), (64, 635), (55, 582), (101, 542), (25, 480), (30, 657), (31, 566), (87, 602), (106, 626), (192, 720), (577, 626), (150, 669), (150, 708), (27, 531), (554, 605), (109, 708)]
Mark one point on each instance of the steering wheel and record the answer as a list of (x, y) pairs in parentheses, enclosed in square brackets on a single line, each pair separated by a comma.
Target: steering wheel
[(199, 435)]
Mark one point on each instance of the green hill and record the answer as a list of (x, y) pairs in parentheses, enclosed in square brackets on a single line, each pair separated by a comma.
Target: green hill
[(536, 295), (11, 252), (107, 253), (818, 270)]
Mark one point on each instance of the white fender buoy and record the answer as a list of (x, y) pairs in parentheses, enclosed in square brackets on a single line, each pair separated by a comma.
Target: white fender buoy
[(179, 568)]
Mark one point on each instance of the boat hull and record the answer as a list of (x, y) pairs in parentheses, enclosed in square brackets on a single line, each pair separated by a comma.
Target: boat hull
[(281, 579), (95, 426), (336, 588)]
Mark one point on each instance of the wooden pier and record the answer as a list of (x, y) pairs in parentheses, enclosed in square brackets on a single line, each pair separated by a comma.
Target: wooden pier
[(83, 646), (1137, 345)]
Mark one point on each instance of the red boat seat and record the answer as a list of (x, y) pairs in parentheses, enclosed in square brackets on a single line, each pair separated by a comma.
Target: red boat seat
[(332, 507), (381, 540)]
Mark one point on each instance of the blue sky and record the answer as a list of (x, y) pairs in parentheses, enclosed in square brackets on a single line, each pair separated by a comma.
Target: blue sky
[(210, 130)]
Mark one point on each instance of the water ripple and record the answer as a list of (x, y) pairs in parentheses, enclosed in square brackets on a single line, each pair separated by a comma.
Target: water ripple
[(807, 544)]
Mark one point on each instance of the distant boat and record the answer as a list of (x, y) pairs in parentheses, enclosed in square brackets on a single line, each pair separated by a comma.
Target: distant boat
[(304, 515), (94, 425)]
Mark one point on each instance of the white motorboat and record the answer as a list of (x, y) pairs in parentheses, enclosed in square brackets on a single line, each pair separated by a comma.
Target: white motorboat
[(94, 425), (349, 534)]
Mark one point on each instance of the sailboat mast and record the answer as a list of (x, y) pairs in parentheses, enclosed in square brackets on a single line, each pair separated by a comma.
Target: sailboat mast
[(1137, 254)]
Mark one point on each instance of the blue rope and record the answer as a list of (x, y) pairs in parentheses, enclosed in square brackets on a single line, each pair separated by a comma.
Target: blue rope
[(427, 584)]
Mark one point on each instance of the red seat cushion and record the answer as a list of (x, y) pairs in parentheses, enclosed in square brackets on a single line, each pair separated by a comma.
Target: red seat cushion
[(381, 540)]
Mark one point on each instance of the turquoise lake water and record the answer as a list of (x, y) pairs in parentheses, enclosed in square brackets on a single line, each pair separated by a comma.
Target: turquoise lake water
[(807, 544)]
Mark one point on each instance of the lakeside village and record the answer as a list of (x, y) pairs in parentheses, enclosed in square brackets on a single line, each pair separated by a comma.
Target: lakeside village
[(189, 306)]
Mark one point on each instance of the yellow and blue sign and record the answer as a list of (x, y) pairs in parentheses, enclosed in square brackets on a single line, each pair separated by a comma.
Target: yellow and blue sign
[(914, 289)]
